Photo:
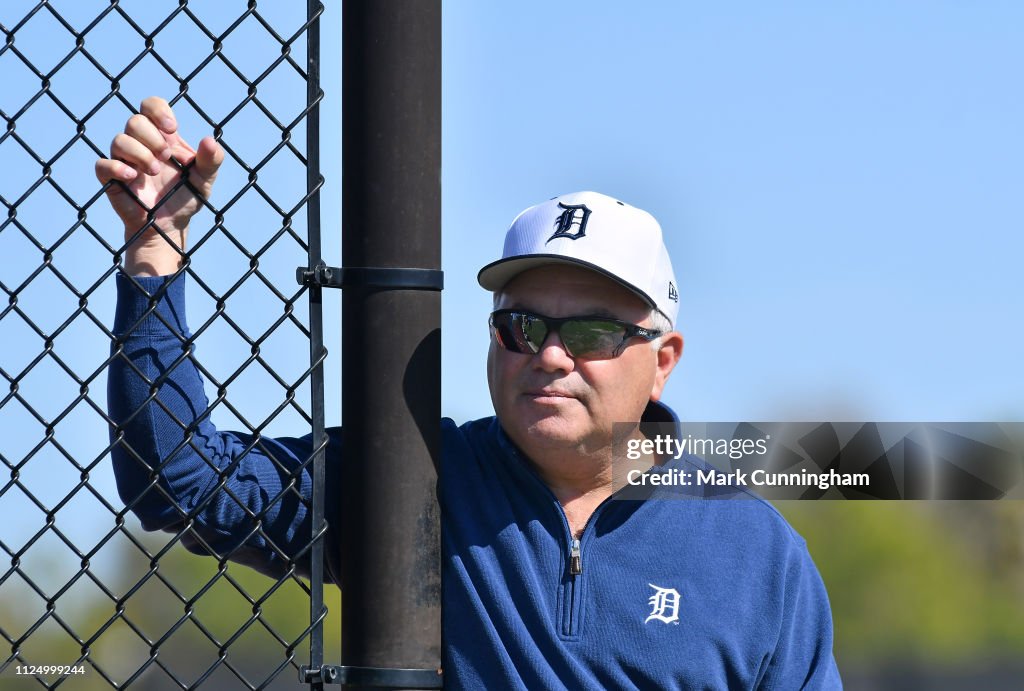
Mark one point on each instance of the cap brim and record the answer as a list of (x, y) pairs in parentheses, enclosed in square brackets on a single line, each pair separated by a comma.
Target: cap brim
[(495, 275)]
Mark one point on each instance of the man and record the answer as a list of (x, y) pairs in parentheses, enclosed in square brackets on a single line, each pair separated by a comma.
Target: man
[(549, 580)]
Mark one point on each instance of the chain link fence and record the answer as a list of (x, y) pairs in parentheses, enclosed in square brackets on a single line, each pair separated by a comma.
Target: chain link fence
[(81, 585)]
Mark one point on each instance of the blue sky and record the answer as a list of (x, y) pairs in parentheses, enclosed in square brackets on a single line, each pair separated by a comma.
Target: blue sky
[(839, 185)]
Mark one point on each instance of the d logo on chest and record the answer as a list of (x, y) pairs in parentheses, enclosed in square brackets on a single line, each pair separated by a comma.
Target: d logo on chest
[(664, 605)]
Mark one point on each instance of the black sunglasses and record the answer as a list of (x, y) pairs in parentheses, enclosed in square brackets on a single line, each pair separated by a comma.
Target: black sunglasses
[(594, 338)]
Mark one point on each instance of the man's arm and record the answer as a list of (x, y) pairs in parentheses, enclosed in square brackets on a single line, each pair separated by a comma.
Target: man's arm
[(243, 496)]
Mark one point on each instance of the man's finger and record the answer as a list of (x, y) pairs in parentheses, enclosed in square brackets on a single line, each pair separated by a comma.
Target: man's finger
[(160, 114), (108, 169), (209, 156), (141, 128), (136, 153)]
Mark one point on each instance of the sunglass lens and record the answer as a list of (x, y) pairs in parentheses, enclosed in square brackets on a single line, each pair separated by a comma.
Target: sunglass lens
[(503, 331), (519, 333), (593, 338)]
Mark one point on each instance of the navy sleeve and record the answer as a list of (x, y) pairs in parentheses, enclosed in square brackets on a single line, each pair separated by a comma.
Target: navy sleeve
[(240, 496), (803, 656)]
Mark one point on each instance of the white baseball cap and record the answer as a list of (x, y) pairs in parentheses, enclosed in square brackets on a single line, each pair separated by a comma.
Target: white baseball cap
[(596, 232)]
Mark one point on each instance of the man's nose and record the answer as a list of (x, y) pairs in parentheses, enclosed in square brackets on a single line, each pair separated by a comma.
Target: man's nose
[(553, 356)]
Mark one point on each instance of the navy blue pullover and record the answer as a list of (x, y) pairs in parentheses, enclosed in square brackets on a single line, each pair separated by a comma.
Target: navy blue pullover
[(664, 594)]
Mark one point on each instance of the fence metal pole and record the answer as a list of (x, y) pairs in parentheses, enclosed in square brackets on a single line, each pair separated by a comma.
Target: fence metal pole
[(391, 197), (316, 342)]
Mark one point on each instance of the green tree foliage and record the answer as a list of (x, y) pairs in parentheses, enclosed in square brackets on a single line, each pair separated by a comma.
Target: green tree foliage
[(931, 581)]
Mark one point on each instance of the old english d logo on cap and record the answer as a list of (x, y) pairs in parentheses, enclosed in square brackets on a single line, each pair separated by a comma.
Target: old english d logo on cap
[(573, 215)]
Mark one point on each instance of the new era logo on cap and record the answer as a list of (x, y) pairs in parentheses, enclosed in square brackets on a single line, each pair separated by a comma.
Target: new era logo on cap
[(594, 231)]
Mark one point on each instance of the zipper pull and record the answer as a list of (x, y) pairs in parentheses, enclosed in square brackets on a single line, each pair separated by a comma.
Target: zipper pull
[(575, 560)]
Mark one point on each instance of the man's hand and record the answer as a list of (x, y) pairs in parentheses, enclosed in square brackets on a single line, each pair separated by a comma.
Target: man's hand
[(140, 157)]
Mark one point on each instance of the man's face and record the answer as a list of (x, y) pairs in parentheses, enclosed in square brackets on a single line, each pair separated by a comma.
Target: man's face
[(552, 402)]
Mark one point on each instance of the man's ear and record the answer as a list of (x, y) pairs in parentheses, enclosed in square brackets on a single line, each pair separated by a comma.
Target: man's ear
[(668, 355)]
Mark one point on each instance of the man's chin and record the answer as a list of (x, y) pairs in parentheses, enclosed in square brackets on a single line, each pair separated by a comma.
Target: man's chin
[(556, 432), (564, 424)]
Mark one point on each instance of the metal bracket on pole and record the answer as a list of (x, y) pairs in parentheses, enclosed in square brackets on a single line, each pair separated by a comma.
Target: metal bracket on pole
[(375, 278), (374, 677)]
